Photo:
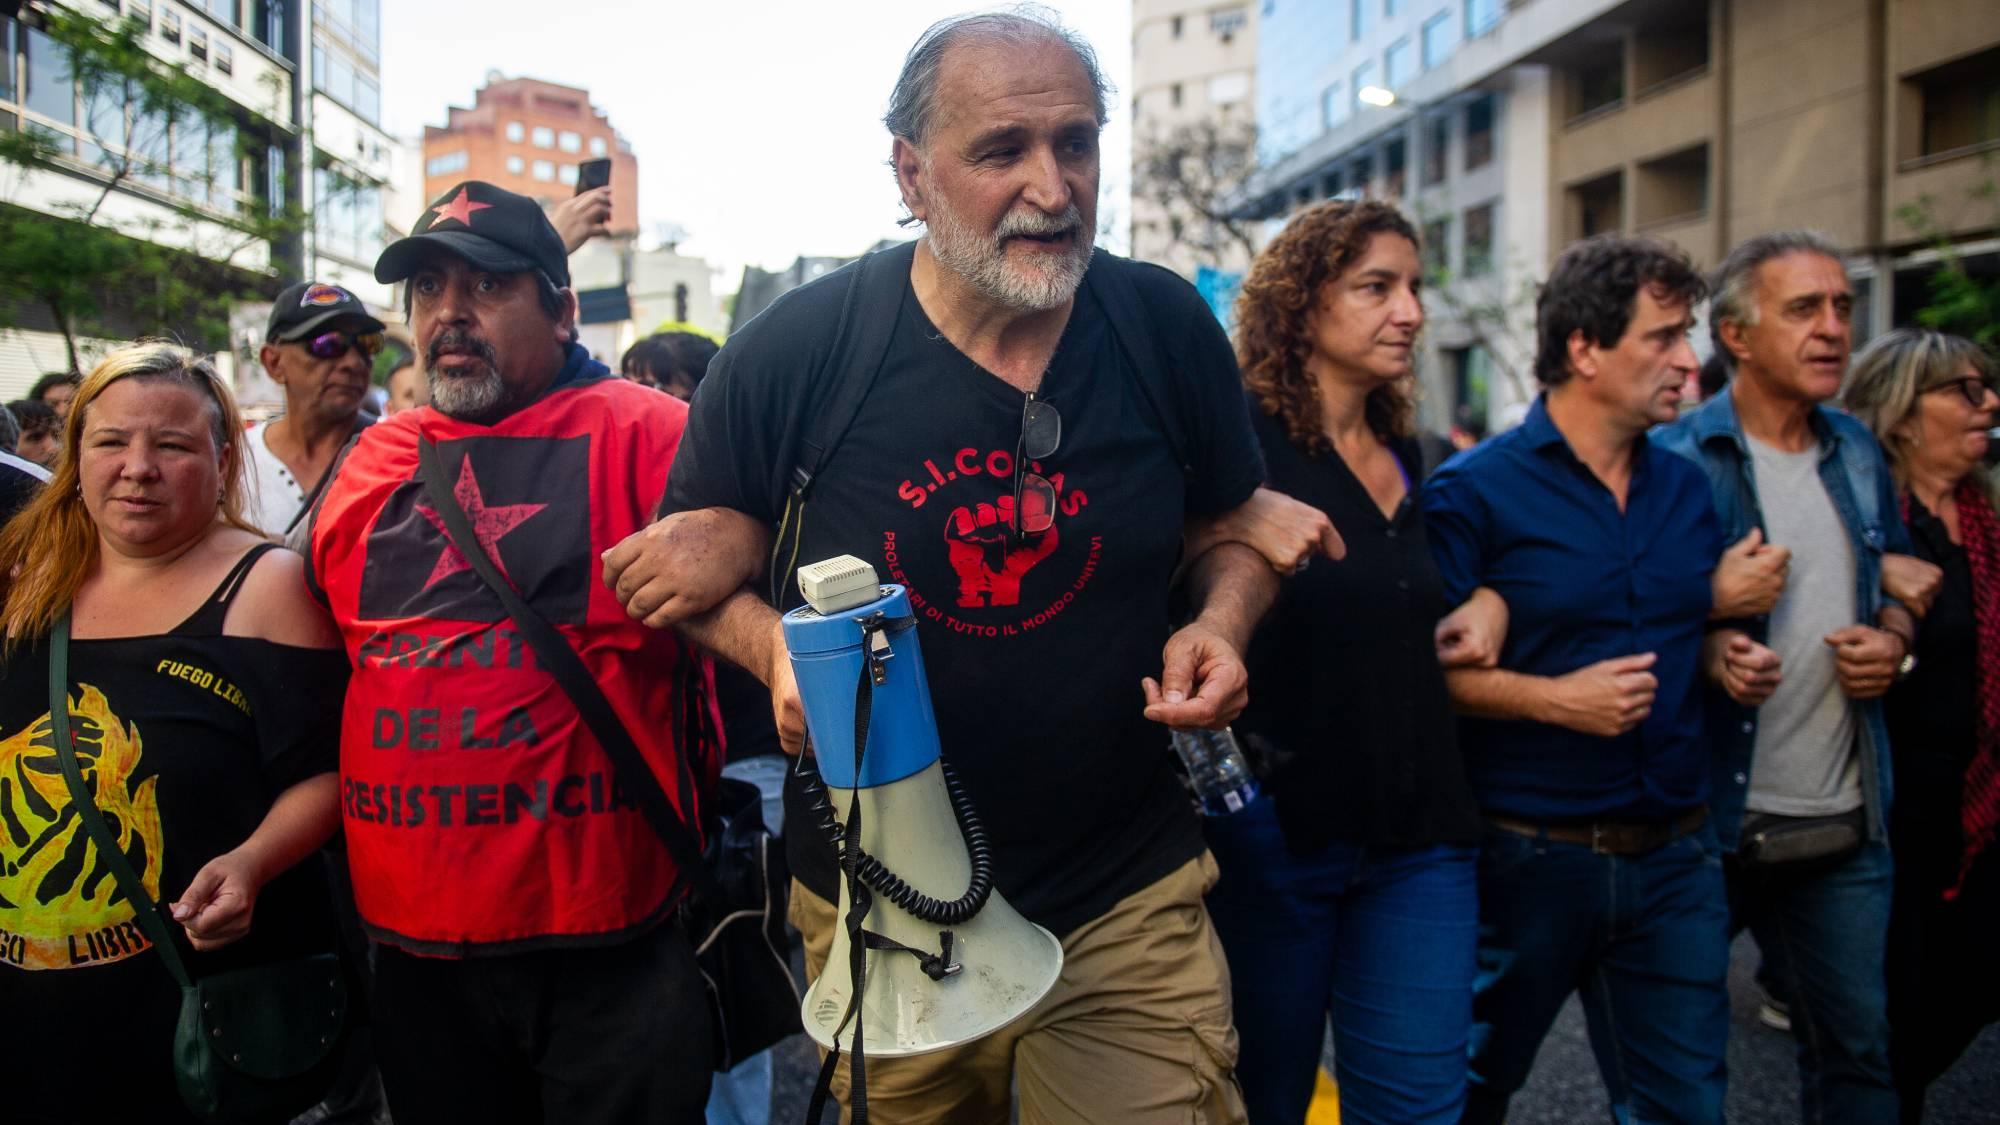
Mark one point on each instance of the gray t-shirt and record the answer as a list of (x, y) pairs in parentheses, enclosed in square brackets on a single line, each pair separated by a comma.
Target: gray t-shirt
[(1805, 762)]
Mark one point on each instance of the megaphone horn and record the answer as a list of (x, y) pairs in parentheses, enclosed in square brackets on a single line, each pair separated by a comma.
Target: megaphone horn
[(945, 970)]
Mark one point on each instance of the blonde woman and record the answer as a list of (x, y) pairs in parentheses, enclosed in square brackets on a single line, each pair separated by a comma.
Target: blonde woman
[(203, 692), (1930, 399)]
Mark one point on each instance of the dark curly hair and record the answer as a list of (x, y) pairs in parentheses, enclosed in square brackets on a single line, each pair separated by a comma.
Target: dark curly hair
[(1594, 287), (1273, 340)]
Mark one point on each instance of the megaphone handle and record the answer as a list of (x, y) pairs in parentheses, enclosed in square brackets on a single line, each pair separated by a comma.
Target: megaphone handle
[(858, 899)]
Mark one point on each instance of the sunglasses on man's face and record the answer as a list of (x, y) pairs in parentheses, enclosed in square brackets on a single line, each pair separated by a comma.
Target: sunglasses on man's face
[(1972, 388), (334, 344)]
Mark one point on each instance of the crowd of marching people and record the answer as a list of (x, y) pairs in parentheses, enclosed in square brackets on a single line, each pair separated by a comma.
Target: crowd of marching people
[(397, 726)]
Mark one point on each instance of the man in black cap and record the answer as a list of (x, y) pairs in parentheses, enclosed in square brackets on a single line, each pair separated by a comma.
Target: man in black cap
[(319, 347), (528, 966)]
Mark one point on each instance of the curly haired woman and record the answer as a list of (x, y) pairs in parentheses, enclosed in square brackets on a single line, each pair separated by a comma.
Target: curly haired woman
[(1349, 890)]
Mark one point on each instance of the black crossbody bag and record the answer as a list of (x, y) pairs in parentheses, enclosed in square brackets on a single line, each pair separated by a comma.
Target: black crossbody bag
[(252, 1043), (734, 911)]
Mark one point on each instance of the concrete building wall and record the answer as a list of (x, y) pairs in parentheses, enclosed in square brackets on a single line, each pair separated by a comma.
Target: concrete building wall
[(1800, 119), (1922, 39), (660, 278), (1190, 63), (516, 134)]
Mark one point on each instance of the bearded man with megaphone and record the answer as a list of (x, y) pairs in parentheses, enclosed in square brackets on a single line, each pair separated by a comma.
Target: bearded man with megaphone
[(1014, 432)]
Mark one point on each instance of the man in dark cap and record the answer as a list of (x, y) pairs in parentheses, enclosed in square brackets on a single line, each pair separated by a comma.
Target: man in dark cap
[(529, 966), (319, 347)]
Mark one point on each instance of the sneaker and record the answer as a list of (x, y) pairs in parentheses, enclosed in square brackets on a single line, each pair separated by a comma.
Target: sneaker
[(1774, 1014)]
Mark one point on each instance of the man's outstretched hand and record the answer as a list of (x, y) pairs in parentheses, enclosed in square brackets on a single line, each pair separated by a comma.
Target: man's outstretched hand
[(1202, 683)]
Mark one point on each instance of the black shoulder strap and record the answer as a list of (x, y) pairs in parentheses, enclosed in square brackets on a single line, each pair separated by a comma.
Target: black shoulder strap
[(1158, 370), (562, 662), (362, 421), (145, 909), (868, 315), (869, 312)]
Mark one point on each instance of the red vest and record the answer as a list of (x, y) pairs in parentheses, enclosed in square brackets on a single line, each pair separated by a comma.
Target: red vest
[(478, 807)]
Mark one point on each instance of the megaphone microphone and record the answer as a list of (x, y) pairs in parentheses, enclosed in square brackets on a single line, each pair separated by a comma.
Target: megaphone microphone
[(939, 971)]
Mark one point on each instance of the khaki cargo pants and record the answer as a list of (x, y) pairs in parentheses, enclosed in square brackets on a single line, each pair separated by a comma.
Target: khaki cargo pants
[(1136, 1031)]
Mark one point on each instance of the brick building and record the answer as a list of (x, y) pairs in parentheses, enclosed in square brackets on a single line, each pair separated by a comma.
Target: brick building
[(528, 136)]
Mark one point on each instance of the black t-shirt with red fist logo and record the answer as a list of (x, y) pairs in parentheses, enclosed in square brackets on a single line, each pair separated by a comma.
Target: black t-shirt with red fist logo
[(1035, 645)]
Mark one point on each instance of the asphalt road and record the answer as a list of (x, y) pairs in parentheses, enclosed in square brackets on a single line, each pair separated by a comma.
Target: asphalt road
[(1763, 1076), (1565, 1089)]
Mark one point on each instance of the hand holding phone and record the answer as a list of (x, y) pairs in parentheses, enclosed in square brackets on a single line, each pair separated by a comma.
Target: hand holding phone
[(582, 217), (593, 174)]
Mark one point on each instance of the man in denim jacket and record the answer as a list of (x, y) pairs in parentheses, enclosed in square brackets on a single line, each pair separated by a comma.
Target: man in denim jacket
[(1797, 727)]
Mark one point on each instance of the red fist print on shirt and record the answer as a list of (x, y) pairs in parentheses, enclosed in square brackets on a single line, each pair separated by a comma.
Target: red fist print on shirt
[(990, 565)]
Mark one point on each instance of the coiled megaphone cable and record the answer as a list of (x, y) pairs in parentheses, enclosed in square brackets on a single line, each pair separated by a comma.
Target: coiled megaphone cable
[(887, 883)]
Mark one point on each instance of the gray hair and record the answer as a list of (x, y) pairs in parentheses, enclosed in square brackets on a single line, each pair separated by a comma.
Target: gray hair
[(1736, 278), (913, 104), (1893, 372), (10, 431)]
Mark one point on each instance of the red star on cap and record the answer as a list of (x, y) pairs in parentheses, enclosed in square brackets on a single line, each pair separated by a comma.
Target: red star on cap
[(488, 524), (460, 208)]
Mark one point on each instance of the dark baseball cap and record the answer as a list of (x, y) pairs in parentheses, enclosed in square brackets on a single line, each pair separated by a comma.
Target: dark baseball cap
[(489, 226), (304, 307)]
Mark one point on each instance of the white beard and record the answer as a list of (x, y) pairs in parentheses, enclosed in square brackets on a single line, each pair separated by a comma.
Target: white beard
[(982, 259)]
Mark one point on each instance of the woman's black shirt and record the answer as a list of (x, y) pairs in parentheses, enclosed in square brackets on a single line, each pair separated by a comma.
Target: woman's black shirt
[(1934, 715), (1348, 711)]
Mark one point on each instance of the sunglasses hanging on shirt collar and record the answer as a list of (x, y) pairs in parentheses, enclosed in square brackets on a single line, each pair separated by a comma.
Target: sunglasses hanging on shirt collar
[(1034, 496)]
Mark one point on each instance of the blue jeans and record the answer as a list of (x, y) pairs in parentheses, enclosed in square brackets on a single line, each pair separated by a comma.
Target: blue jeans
[(1382, 938), (1826, 933), (1644, 939)]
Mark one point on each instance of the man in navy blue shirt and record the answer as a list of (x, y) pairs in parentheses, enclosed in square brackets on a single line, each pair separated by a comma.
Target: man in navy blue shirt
[(1598, 871)]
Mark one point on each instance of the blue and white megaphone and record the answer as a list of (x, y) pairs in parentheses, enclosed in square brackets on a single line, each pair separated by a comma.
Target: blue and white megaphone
[(996, 964)]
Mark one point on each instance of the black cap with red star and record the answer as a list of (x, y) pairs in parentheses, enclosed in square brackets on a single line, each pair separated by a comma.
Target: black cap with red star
[(489, 226)]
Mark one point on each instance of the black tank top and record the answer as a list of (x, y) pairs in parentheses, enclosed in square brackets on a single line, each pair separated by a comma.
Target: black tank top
[(186, 738), (207, 620)]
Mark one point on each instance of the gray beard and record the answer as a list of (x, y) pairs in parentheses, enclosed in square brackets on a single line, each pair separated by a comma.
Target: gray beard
[(467, 396), (981, 259)]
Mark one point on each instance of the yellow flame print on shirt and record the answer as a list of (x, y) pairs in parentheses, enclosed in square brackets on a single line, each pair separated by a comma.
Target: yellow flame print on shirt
[(60, 907)]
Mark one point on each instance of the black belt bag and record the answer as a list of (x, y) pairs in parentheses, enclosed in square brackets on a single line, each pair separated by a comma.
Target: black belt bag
[(1772, 842)]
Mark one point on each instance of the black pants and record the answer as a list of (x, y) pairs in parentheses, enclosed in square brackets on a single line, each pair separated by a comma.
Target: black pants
[(568, 1036), (1944, 976)]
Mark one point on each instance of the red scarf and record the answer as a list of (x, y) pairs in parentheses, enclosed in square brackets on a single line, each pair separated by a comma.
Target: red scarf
[(1979, 808)]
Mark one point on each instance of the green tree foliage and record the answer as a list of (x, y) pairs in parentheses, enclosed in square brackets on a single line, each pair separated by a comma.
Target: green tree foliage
[(96, 275), (1960, 302)]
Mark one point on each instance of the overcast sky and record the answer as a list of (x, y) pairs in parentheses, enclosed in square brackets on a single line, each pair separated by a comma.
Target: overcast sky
[(757, 124)]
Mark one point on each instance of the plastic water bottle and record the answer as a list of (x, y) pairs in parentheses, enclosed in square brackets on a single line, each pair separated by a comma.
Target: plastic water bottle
[(1216, 769)]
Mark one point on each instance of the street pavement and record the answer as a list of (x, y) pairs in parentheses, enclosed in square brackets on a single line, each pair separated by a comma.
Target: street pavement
[(1763, 1073), (1565, 1089)]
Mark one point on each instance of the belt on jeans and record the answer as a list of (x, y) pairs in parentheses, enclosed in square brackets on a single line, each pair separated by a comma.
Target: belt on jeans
[(1608, 837)]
